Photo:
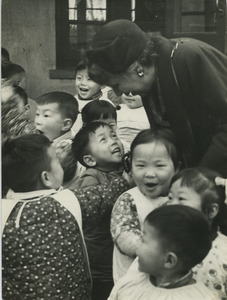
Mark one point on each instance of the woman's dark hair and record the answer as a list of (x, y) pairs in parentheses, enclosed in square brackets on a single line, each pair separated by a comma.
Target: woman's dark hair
[(184, 231), (146, 58), (23, 160), (98, 109), (163, 136), (202, 181)]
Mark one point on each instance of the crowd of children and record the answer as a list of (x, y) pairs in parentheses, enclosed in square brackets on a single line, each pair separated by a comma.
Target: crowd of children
[(96, 205)]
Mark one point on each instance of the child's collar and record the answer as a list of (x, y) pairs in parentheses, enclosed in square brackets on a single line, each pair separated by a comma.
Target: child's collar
[(66, 136), (119, 170), (185, 280), (31, 195)]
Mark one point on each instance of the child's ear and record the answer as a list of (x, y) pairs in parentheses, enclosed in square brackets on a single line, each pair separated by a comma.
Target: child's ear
[(89, 160), (67, 124), (45, 179), (27, 106), (170, 260), (213, 211)]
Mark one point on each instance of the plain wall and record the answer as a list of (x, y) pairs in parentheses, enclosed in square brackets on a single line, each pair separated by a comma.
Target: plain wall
[(28, 33)]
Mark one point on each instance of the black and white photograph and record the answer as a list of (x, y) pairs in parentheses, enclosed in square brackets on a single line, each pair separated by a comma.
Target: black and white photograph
[(114, 149)]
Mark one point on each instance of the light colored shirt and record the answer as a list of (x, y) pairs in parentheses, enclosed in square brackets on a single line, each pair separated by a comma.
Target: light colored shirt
[(130, 122), (136, 285)]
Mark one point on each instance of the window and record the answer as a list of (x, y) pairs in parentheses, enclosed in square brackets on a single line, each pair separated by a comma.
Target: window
[(77, 21), (195, 16)]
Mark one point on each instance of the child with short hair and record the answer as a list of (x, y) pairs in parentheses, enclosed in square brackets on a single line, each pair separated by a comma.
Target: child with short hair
[(103, 111), (87, 91), (152, 162), (198, 188), (174, 239), (55, 116), (131, 117), (14, 74), (97, 147), (100, 110), (43, 251)]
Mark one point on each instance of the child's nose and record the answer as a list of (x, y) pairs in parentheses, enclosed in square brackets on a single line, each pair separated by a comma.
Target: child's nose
[(83, 81), (37, 120), (150, 172), (113, 141)]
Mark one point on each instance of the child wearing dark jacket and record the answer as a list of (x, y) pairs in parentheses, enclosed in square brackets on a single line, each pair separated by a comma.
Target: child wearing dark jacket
[(97, 147)]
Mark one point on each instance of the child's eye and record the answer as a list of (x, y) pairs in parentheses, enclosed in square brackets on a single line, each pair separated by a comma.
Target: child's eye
[(160, 165), (170, 197), (181, 199), (78, 77), (46, 116), (140, 165), (102, 140)]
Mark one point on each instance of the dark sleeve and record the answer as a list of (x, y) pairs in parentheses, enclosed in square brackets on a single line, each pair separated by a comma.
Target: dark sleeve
[(97, 201), (216, 155), (202, 74)]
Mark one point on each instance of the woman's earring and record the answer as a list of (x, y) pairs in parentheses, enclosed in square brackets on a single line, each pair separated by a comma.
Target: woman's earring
[(140, 73)]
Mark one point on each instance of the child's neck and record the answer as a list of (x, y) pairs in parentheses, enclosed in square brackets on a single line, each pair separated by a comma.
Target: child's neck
[(168, 277), (94, 97), (63, 134), (110, 168)]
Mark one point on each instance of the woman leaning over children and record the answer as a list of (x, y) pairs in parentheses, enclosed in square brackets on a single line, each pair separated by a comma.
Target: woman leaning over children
[(182, 83)]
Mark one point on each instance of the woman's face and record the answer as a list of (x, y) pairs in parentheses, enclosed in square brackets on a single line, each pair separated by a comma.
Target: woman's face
[(131, 82), (132, 101)]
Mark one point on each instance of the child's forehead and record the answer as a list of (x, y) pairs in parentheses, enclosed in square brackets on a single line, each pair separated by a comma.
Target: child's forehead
[(102, 129), (110, 119), (54, 107), (83, 71), (155, 147)]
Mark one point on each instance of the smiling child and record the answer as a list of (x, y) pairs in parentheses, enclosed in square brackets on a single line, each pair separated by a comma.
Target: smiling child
[(152, 162), (97, 147)]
